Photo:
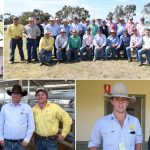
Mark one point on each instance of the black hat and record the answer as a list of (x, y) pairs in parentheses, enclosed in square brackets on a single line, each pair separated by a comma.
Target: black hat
[(15, 18), (17, 89), (41, 89)]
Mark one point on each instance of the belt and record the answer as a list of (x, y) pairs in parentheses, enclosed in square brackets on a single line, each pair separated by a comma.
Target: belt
[(14, 141), (16, 39), (54, 137)]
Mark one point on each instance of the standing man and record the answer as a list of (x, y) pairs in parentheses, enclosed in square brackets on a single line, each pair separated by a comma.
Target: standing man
[(16, 121), (61, 45), (32, 33), (47, 117), (130, 26), (15, 33), (93, 27), (141, 26), (119, 130)]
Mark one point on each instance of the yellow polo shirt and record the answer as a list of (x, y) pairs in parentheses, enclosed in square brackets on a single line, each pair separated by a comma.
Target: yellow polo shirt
[(47, 120), (46, 44), (13, 30)]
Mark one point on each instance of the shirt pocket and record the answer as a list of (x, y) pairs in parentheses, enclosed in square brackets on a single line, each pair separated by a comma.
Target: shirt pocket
[(108, 138), (50, 116), (132, 138)]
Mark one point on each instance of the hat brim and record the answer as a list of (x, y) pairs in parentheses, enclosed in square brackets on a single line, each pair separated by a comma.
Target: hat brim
[(24, 93), (107, 97), (40, 91)]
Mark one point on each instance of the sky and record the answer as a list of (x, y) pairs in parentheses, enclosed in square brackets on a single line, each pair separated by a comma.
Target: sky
[(97, 8)]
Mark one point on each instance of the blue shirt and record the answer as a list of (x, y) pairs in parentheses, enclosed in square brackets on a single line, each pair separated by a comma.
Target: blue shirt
[(66, 28), (120, 29), (16, 122), (113, 40), (125, 40), (108, 133)]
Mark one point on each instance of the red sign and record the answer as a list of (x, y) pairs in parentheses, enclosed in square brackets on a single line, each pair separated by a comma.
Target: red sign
[(107, 88)]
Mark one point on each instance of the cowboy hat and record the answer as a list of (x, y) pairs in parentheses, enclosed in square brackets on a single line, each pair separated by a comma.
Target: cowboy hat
[(119, 90), (30, 19), (17, 89), (41, 89), (47, 32), (62, 31)]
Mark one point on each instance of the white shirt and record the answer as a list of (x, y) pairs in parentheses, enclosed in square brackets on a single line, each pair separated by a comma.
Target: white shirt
[(87, 40), (61, 42), (100, 40), (54, 30), (77, 27), (140, 28), (146, 42)]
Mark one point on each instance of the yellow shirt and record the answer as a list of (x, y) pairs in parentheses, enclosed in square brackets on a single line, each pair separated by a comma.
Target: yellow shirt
[(47, 120), (46, 44), (13, 30)]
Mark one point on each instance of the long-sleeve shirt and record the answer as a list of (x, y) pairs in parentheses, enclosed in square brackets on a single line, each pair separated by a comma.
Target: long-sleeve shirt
[(32, 32), (74, 42), (113, 40), (16, 122), (120, 29), (141, 27), (146, 42), (136, 40), (129, 27), (54, 29), (46, 44), (77, 27), (100, 40), (13, 30), (125, 40), (66, 28), (47, 120), (87, 40), (61, 42), (94, 29), (108, 133)]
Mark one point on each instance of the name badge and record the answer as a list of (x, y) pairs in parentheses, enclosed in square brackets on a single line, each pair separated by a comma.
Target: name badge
[(122, 146)]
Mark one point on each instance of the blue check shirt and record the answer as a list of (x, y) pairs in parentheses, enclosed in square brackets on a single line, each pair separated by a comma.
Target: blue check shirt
[(16, 122), (108, 133)]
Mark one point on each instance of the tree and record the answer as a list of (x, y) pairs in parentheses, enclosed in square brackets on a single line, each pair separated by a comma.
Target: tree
[(71, 12), (146, 9), (121, 11)]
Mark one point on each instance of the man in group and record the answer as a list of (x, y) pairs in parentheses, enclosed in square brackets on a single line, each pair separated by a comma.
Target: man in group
[(141, 26), (61, 45), (93, 27), (74, 44), (65, 26), (87, 45), (45, 48), (145, 48), (135, 45), (100, 44), (54, 29), (120, 27), (112, 44), (47, 117), (32, 32), (15, 33), (130, 26), (119, 130), (16, 121)]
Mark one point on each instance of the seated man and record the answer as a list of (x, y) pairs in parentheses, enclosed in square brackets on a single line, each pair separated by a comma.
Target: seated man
[(112, 43), (87, 45), (61, 44), (99, 43), (45, 48), (135, 45), (145, 49), (74, 45)]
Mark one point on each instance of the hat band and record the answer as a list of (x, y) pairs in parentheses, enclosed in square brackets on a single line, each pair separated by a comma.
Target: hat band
[(119, 95)]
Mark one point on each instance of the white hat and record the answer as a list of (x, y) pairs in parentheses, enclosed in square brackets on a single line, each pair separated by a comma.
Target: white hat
[(46, 32), (30, 19), (112, 31), (63, 30), (119, 90)]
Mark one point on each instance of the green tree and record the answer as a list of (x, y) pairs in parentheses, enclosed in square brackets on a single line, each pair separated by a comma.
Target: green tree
[(146, 9), (70, 12)]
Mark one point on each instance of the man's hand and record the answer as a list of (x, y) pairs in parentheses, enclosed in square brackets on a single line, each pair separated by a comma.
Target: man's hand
[(61, 138), (24, 144), (2, 143)]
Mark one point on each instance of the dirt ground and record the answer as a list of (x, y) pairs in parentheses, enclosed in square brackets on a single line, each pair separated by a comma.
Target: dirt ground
[(118, 69)]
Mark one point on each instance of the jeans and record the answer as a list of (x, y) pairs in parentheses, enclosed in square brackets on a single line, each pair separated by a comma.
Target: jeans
[(146, 52), (13, 146), (88, 52), (99, 53), (31, 45), (72, 53), (45, 144), (61, 54), (128, 50), (13, 44), (45, 56), (107, 50)]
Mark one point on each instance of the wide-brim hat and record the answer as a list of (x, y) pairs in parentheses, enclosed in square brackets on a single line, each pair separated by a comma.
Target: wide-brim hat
[(112, 31), (30, 19), (17, 89), (119, 90), (62, 31), (47, 32), (15, 18), (41, 89)]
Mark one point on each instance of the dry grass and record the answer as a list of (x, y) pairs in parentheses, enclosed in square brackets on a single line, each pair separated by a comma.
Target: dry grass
[(120, 69)]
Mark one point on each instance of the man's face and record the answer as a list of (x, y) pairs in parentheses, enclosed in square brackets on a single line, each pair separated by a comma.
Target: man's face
[(41, 97), (16, 97), (15, 21), (120, 104), (147, 33)]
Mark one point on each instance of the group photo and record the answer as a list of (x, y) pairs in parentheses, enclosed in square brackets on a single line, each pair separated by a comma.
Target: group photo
[(72, 41)]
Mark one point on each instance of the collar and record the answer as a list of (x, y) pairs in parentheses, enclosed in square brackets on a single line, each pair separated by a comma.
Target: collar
[(113, 117), (19, 104)]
